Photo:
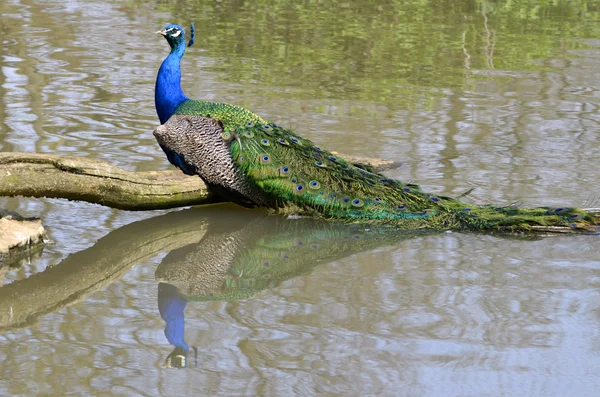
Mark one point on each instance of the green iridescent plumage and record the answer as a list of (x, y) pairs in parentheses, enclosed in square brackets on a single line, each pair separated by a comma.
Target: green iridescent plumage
[(230, 115), (276, 168), (295, 171)]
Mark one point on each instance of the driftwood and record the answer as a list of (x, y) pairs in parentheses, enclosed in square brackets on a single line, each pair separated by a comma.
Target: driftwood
[(99, 182), (95, 181)]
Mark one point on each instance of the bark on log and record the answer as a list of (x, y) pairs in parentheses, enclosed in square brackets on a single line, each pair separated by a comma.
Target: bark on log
[(99, 182)]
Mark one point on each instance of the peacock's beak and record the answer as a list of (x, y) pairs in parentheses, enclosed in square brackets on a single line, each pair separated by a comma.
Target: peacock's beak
[(162, 31)]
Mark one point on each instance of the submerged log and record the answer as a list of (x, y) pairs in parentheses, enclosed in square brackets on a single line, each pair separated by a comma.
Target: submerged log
[(99, 182)]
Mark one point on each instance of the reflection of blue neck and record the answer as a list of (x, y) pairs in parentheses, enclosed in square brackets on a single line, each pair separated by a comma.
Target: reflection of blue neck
[(167, 91), (171, 306)]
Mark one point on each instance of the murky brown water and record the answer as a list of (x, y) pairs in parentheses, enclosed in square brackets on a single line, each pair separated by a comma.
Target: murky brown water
[(498, 96)]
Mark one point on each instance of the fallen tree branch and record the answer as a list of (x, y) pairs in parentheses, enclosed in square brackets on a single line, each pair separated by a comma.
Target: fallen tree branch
[(95, 181), (99, 182)]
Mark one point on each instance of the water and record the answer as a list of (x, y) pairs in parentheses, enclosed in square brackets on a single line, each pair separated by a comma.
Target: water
[(498, 96)]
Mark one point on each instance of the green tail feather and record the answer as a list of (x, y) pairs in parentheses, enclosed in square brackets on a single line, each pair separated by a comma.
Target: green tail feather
[(300, 177)]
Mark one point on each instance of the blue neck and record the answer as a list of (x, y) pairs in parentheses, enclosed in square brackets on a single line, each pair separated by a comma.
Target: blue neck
[(167, 92)]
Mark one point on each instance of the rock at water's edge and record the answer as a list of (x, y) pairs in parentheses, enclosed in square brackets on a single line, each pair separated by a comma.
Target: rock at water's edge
[(18, 236)]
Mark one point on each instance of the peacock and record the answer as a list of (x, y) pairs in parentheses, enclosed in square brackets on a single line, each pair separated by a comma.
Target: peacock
[(255, 162), (238, 259)]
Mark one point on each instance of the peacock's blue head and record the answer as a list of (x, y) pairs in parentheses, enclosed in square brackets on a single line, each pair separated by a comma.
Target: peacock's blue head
[(174, 34)]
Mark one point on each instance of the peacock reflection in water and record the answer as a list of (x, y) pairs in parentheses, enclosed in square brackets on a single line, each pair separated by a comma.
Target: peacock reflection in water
[(236, 260), (171, 305)]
